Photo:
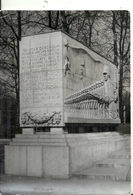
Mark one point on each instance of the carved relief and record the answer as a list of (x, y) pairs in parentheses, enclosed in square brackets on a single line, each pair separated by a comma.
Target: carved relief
[(99, 99), (67, 65), (110, 94), (82, 69), (29, 118)]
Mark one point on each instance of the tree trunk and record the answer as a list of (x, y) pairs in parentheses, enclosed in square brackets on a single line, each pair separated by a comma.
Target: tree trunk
[(115, 39), (65, 25), (121, 91), (17, 73), (49, 17), (90, 35)]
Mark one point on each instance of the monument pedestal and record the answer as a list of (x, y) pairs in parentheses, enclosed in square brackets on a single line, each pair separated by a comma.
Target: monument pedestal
[(59, 155), (39, 155)]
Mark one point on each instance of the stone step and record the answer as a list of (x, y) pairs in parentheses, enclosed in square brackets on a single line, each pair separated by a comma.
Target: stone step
[(49, 140), (37, 144), (88, 136), (121, 155), (114, 174), (113, 163), (127, 149), (99, 134), (43, 135), (36, 140), (69, 139), (129, 175)]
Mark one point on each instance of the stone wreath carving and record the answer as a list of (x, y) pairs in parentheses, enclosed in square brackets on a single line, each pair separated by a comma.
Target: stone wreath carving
[(29, 118)]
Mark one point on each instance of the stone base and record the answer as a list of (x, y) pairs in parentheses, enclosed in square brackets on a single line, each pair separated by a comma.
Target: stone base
[(59, 155), (56, 130), (27, 131)]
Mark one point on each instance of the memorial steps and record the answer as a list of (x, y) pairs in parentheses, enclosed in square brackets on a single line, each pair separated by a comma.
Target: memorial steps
[(122, 154), (116, 167), (43, 139)]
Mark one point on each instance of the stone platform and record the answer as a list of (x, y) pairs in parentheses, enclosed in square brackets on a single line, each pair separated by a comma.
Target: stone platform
[(59, 155)]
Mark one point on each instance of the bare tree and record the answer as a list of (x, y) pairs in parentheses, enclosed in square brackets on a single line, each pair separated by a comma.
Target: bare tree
[(121, 22), (114, 44), (9, 63)]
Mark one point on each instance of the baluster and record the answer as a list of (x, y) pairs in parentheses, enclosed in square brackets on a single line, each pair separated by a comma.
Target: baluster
[(95, 103), (103, 110), (75, 107), (98, 109), (99, 93), (86, 110), (106, 111), (87, 107), (84, 107), (91, 92), (90, 108), (81, 108), (93, 108)]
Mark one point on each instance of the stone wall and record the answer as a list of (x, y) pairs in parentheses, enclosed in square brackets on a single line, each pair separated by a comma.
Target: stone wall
[(89, 148), (3, 142)]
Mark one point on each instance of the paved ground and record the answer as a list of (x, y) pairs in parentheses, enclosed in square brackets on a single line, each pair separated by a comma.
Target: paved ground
[(74, 186), (15, 185)]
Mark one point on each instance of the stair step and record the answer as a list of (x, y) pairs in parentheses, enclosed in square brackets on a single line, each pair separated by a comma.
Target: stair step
[(129, 175), (126, 149), (121, 154), (114, 174), (114, 163)]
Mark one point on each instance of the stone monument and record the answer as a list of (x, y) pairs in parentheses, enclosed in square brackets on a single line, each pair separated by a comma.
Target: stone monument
[(62, 82)]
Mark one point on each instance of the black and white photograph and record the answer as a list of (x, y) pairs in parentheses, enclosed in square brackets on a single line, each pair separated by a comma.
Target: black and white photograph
[(65, 106)]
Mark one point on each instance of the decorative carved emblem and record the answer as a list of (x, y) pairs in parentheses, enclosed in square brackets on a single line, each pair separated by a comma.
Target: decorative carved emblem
[(51, 119)]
